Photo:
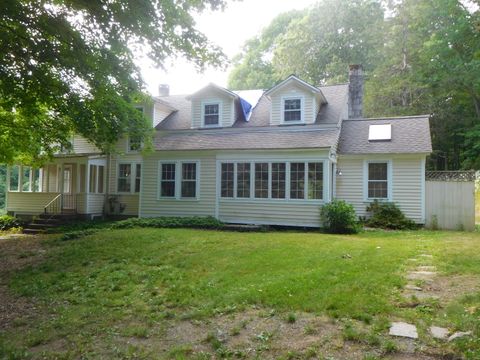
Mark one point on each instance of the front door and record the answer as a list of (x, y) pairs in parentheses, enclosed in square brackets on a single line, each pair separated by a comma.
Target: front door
[(68, 196)]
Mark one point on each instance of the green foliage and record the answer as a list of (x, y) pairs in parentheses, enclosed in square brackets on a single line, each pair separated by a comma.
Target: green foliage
[(387, 215), (76, 231), (3, 186), (197, 222), (253, 68), (316, 44), (422, 57), (68, 67), (8, 222), (338, 217)]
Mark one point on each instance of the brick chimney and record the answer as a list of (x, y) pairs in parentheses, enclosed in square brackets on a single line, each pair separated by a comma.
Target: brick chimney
[(355, 92), (163, 90)]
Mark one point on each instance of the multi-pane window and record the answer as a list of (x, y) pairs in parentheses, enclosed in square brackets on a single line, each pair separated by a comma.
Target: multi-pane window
[(129, 175), (92, 181), (243, 180), (315, 180), (101, 174), (138, 175), (179, 180), (26, 178), (134, 143), (14, 178), (189, 180), (292, 110), (227, 181), (167, 180), (378, 180), (297, 180), (278, 180), (124, 177), (211, 114), (96, 180), (261, 180), (272, 180)]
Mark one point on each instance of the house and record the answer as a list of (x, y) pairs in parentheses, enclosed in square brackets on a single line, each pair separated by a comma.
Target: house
[(254, 157)]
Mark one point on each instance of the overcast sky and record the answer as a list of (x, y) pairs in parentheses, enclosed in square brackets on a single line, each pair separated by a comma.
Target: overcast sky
[(229, 29)]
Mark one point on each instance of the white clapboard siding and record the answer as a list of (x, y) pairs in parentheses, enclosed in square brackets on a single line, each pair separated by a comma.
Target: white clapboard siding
[(83, 146), (450, 205), (28, 202), (270, 212), (95, 203), (227, 115), (407, 179), (292, 90), (151, 206)]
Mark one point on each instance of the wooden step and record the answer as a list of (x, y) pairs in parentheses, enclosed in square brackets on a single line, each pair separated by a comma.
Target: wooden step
[(34, 231)]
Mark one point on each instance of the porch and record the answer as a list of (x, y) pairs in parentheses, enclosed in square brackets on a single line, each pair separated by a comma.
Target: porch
[(68, 185)]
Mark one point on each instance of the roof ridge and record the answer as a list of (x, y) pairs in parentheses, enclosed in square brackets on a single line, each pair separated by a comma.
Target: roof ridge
[(390, 118), (345, 83)]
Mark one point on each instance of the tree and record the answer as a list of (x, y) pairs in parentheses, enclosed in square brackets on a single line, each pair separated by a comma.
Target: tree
[(316, 44), (68, 67), (253, 68), (432, 62), (334, 34)]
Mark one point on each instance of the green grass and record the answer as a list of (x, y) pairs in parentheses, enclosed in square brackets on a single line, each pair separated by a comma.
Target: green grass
[(131, 282)]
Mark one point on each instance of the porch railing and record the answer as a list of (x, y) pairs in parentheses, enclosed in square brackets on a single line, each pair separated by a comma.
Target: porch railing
[(61, 203), (54, 206)]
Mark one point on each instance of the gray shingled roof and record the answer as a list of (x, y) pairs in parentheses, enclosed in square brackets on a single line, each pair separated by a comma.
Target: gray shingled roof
[(252, 139), (409, 135), (330, 113)]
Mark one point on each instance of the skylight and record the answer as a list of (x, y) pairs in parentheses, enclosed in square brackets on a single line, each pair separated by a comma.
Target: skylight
[(380, 132)]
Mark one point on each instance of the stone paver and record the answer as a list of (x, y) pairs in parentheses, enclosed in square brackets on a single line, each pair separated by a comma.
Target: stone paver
[(421, 295), (421, 275), (439, 332), (459, 334), (413, 287), (403, 329), (426, 256), (426, 268)]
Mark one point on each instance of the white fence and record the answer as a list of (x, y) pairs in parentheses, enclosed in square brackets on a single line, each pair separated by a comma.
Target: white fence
[(450, 200)]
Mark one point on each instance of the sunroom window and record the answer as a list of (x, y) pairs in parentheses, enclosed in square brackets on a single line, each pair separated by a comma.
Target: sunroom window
[(272, 180)]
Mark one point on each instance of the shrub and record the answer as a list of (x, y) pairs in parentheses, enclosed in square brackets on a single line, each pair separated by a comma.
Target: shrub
[(338, 217), (197, 222), (77, 231), (387, 215), (8, 222)]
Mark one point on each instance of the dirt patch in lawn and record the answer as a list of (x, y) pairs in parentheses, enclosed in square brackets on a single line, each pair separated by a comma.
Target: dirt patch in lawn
[(17, 253), (256, 333)]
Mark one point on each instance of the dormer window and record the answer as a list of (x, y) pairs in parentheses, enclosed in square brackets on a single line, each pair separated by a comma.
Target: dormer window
[(292, 110), (211, 113)]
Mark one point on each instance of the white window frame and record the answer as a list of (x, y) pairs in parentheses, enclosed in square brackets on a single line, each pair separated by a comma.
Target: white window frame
[(389, 179), (287, 180), (302, 109), (133, 176), (178, 180), (129, 149), (220, 111)]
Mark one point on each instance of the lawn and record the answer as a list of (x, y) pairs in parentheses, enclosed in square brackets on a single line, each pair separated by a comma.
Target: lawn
[(168, 293)]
